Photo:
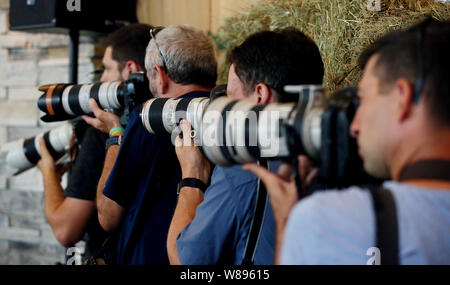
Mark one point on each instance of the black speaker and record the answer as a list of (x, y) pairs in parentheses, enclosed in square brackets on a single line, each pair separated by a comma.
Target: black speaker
[(59, 15)]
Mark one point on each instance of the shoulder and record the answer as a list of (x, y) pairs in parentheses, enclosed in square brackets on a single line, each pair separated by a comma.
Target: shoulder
[(346, 202), (233, 176), (342, 209), (336, 227)]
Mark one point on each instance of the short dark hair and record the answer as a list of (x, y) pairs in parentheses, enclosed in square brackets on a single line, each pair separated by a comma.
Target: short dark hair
[(129, 43), (401, 54), (278, 58)]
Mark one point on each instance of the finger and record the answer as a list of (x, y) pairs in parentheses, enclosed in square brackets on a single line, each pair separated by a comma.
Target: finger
[(43, 147), (178, 141), (186, 128), (91, 121), (95, 109), (311, 176), (303, 166), (285, 170)]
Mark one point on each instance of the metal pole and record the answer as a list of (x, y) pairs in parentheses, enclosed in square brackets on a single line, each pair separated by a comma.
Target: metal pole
[(73, 56)]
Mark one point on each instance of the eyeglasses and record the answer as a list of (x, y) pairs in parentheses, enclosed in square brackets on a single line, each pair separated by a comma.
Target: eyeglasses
[(420, 43), (153, 32)]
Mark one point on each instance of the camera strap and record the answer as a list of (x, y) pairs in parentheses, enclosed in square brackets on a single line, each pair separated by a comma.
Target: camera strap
[(257, 220), (435, 169), (386, 225), (385, 208)]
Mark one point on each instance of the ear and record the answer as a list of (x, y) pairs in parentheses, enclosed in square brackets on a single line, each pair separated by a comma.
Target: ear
[(263, 93), (404, 93), (163, 78), (129, 68)]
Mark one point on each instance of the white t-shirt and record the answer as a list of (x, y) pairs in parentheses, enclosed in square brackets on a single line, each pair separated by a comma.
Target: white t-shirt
[(338, 227)]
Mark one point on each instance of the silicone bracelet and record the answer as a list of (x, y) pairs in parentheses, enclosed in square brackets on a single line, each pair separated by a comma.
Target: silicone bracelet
[(116, 130)]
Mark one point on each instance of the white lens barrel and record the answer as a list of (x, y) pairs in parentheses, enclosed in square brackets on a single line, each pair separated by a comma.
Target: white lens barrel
[(271, 141), (15, 156), (58, 138), (212, 128), (65, 100)]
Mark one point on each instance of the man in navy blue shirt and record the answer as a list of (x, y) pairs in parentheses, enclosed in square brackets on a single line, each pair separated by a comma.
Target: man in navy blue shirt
[(213, 228), (136, 195)]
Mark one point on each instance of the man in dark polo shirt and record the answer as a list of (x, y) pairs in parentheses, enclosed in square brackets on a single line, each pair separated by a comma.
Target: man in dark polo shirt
[(72, 213)]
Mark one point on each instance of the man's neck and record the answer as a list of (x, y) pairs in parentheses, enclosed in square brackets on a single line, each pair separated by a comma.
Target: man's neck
[(177, 90)]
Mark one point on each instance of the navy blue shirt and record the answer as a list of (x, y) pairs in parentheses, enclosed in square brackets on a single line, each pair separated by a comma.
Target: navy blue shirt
[(218, 234), (144, 181)]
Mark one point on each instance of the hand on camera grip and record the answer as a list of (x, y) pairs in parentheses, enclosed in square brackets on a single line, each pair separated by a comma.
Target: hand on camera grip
[(103, 121)]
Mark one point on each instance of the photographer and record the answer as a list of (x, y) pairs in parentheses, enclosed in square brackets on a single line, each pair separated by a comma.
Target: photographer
[(137, 190), (211, 225), (403, 131), (72, 213)]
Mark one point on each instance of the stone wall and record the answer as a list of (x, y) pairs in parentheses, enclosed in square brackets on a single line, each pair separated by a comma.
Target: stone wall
[(28, 60)]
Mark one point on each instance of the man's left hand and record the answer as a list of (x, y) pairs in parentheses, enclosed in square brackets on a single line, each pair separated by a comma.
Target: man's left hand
[(193, 163), (103, 121)]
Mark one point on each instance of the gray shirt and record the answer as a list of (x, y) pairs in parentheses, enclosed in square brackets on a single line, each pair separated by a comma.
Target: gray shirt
[(338, 227)]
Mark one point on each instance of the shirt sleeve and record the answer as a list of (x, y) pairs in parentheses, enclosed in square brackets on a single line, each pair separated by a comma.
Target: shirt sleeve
[(330, 227), (88, 166), (211, 237), (131, 164)]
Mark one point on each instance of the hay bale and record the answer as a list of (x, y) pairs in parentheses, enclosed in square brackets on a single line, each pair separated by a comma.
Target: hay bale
[(341, 28)]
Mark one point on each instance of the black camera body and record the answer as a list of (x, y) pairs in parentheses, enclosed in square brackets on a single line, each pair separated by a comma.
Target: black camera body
[(340, 163)]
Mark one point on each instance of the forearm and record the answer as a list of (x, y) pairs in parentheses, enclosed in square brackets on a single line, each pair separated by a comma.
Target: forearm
[(110, 160), (109, 212), (53, 195), (281, 225), (188, 201)]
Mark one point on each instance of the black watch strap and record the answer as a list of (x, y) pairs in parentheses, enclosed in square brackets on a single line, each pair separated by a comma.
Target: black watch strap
[(191, 182), (113, 140)]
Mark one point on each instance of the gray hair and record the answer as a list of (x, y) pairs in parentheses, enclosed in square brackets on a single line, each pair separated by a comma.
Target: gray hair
[(189, 55)]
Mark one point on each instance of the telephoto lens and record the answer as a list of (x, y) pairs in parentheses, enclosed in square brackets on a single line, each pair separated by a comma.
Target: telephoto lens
[(63, 102), (162, 115), (235, 132), (23, 154), (317, 126)]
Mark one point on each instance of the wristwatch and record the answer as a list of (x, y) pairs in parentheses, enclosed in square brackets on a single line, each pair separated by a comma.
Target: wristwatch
[(113, 140), (191, 182)]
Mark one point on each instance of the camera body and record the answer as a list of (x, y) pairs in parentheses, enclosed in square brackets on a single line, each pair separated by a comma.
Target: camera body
[(64, 102)]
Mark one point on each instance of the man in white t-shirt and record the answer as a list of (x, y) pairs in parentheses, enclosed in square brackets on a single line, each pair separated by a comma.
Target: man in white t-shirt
[(403, 131)]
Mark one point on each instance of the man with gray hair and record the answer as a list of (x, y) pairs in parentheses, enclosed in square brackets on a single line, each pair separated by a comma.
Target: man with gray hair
[(136, 195)]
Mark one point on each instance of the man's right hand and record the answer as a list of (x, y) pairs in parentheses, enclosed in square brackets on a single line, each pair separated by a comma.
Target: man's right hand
[(103, 121), (193, 163), (46, 164)]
